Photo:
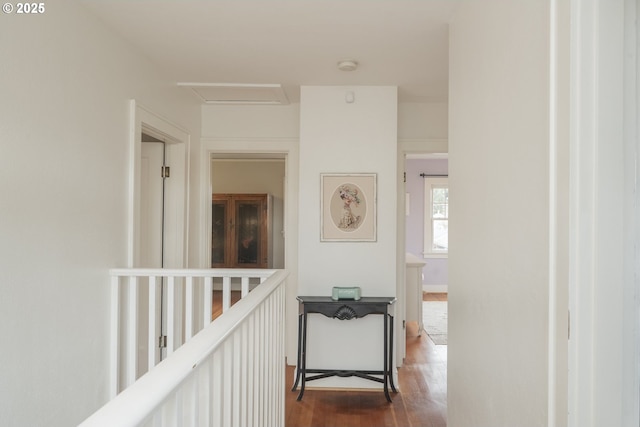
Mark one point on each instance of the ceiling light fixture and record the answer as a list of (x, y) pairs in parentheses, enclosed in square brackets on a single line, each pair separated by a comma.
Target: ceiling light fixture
[(347, 65)]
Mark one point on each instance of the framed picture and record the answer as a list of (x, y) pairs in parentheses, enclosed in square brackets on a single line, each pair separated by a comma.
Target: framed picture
[(348, 207)]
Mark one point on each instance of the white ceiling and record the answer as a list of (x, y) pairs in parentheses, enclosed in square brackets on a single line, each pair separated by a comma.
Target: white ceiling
[(402, 43)]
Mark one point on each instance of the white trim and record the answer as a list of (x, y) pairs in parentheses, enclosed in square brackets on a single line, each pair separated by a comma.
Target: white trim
[(435, 289), (436, 255), (603, 349), (552, 375), (582, 210), (288, 148), (631, 275), (407, 147), (432, 146), (178, 143), (427, 156)]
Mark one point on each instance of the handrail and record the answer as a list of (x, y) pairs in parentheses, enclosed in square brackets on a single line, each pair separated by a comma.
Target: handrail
[(196, 272), (136, 404), (143, 331)]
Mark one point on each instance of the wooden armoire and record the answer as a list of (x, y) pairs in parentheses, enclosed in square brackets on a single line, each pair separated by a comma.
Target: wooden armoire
[(240, 231)]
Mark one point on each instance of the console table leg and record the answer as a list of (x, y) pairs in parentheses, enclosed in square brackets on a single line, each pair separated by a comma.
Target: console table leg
[(295, 384), (303, 355), (386, 370), (391, 367)]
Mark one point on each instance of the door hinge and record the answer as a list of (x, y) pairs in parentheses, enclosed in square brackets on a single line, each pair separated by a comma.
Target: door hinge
[(165, 172), (404, 324), (405, 177), (162, 341)]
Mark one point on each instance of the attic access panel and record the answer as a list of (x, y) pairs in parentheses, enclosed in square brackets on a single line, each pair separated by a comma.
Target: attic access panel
[(238, 93)]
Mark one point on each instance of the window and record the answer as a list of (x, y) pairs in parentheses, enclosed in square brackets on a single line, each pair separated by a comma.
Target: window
[(436, 217)]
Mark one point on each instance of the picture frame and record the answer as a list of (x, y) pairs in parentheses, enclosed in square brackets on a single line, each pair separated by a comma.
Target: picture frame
[(348, 207)]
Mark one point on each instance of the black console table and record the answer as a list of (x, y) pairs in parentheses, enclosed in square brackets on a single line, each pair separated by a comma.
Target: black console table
[(345, 310)]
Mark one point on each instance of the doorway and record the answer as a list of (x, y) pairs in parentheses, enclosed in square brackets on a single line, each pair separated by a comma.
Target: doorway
[(419, 169), (157, 213), (426, 245), (252, 174), (152, 201), (416, 157), (286, 150), (176, 147)]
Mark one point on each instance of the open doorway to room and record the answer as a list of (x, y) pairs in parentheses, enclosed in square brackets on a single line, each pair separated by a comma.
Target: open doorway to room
[(426, 245), (157, 218), (244, 175), (247, 213), (426, 200)]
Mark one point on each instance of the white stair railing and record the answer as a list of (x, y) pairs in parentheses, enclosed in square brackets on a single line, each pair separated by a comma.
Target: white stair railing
[(145, 327), (230, 374)]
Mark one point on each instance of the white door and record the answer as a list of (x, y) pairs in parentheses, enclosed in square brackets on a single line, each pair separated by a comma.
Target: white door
[(152, 205), (152, 195)]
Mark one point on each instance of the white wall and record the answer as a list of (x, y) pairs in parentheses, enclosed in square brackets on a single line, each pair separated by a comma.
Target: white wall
[(499, 174), (65, 82), (339, 137), (251, 121), (269, 129), (417, 121), (422, 120)]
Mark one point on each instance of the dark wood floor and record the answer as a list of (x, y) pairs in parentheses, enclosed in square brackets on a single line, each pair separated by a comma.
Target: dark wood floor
[(421, 402), (216, 304)]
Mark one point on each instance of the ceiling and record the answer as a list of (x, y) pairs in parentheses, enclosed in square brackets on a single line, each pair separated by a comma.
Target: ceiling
[(286, 44)]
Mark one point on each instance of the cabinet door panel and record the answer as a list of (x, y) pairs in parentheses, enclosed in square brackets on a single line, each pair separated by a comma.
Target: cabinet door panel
[(248, 235), (219, 238)]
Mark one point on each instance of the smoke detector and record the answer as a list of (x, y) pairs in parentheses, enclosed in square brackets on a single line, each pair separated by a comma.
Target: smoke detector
[(347, 65)]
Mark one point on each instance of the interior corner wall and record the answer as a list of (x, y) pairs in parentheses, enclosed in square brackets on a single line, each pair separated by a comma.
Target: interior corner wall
[(499, 236), (341, 137)]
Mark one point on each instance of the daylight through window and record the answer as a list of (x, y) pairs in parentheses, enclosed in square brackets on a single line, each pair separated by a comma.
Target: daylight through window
[(436, 238)]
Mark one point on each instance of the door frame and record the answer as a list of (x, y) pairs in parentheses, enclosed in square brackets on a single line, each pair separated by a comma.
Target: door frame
[(177, 143), (286, 148), (407, 146), (604, 344)]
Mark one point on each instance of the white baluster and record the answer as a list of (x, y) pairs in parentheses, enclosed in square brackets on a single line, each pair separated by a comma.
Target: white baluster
[(245, 286), (154, 333), (208, 301), (251, 353), (237, 378), (189, 308), (226, 293), (204, 393), (171, 314), (244, 372), (115, 336), (191, 401), (227, 388), (132, 331), (217, 385)]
